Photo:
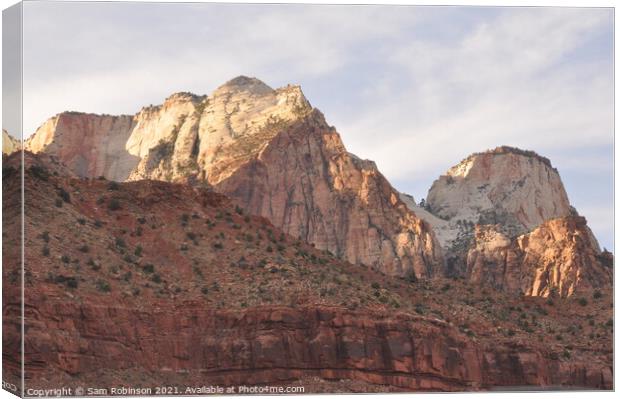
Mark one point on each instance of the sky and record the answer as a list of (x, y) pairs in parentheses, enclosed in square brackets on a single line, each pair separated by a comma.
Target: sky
[(416, 89)]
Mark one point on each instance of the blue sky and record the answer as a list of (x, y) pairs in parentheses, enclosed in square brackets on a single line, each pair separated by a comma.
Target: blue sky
[(415, 89)]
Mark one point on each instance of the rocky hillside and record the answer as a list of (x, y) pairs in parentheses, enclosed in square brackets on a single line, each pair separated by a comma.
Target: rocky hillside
[(267, 149), (152, 283)]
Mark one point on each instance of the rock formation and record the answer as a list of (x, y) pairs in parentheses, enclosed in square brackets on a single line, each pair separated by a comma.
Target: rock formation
[(559, 257), (267, 149), (9, 143), (504, 219), (517, 189), (89, 144)]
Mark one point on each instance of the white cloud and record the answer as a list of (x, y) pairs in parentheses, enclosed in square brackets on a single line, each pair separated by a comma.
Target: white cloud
[(505, 82)]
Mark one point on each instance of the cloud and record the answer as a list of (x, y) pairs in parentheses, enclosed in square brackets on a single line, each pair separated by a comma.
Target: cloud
[(130, 54), (505, 81)]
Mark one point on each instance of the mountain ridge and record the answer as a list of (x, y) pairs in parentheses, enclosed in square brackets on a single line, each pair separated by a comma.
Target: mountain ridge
[(276, 155)]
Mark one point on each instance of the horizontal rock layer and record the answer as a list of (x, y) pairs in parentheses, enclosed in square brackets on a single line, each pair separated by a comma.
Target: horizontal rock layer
[(278, 344)]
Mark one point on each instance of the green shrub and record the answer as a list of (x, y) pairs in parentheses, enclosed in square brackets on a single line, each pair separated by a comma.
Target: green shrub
[(93, 265), (103, 286), (64, 195), (45, 236), (39, 172), (119, 242), (583, 301), (149, 268), (114, 204)]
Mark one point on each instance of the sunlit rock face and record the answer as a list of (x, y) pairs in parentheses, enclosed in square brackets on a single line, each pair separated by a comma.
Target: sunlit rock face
[(90, 145), (518, 189), (9, 143), (559, 257)]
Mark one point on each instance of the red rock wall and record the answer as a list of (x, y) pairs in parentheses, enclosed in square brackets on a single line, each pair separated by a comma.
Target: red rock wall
[(279, 344)]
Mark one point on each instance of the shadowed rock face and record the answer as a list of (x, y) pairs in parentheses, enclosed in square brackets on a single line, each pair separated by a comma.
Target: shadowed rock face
[(90, 145)]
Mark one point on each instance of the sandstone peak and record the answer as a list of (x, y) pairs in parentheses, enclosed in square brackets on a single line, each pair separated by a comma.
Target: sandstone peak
[(183, 96), (463, 167), (506, 185), (244, 83)]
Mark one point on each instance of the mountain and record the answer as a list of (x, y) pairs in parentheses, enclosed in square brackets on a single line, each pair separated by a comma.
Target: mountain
[(508, 186), (271, 152), (503, 218), (151, 283), (275, 155)]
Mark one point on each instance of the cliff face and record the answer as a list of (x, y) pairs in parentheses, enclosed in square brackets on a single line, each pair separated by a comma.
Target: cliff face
[(517, 189), (503, 218), (269, 150), (9, 143), (278, 345), (90, 145), (323, 194), (558, 257)]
